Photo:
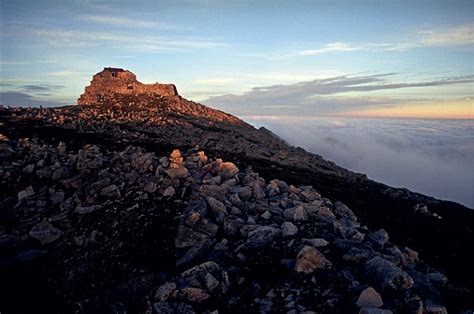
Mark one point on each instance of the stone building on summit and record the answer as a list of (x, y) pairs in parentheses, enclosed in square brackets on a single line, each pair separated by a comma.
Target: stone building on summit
[(117, 80)]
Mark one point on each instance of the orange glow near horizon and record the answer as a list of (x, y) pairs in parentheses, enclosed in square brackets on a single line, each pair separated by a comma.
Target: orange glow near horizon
[(444, 110)]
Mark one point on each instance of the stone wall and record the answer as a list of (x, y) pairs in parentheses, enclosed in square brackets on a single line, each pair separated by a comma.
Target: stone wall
[(112, 80)]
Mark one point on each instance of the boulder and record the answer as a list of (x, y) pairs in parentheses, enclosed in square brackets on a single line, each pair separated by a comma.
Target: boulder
[(262, 236), (310, 259), (178, 173), (187, 237), (150, 187), (288, 229), (216, 205), (45, 232), (164, 291), (28, 192), (369, 298), (316, 242), (169, 191), (435, 309), (84, 209), (228, 170), (384, 274), (297, 213), (173, 307), (192, 295), (111, 191), (342, 211), (379, 237)]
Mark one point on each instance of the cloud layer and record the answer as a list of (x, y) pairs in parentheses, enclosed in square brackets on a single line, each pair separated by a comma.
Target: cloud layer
[(429, 156)]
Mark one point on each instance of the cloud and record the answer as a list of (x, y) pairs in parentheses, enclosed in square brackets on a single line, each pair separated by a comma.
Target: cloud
[(29, 62), (321, 96), (40, 88), (460, 35), (332, 47), (456, 35), (429, 156), (73, 38), (127, 22), (13, 98)]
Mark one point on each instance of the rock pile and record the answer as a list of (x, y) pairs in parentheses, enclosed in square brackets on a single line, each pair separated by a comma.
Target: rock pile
[(183, 233)]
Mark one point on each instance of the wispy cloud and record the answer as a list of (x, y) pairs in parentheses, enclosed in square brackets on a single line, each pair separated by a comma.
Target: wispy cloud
[(460, 35), (28, 62), (128, 22), (41, 88), (322, 95), (456, 35), (73, 38)]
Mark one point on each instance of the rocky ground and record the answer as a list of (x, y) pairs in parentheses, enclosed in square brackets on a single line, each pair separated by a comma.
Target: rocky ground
[(100, 214)]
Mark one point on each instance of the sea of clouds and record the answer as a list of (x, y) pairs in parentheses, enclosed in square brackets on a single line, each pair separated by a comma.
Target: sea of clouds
[(433, 157)]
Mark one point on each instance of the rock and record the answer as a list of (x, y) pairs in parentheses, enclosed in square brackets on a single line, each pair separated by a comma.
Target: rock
[(310, 195), (246, 229), (150, 187), (216, 205), (173, 308), (316, 242), (28, 192), (111, 191), (266, 215), (435, 309), (169, 191), (368, 310), (210, 282), (262, 236), (187, 237), (232, 226), (62, 148), (385, 275), (369, 298), (300, 214), (45, 232), (342, 211), (437, 278), (199, 272), (192, 295), (60, 173), (29, 169), (245, 193), (175, 154), (379, 237), (358, 255), (195, 251), (272, 189), (57, 197), (412, 255), (165, 291), (177, 173), (228, 170), (297, 213), (310, 259), (288, 229), (81, 209)]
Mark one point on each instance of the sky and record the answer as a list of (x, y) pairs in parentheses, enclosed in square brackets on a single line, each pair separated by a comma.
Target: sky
[(251, 58)]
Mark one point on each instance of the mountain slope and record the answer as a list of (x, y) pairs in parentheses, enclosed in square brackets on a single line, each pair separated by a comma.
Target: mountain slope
[(159, 124)]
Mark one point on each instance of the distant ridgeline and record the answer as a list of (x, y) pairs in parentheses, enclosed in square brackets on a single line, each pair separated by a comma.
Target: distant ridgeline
[(116, 80)]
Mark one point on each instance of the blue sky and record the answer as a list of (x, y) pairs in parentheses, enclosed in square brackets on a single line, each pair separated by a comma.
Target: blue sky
[(251, 58)]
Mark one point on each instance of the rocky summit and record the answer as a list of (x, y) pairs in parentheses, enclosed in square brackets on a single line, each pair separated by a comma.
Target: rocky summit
[(137, 200)]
